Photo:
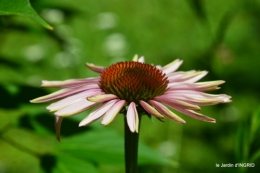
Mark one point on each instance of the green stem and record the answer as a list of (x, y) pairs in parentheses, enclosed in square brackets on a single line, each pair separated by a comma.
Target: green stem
[(131, 149)]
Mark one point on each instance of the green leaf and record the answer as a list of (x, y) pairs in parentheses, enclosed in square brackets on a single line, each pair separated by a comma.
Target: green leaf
[(13, 159), (29, 141), (255, 157), (8, 116), (106, 146), (66, 164), (255, 125), (22, 8)]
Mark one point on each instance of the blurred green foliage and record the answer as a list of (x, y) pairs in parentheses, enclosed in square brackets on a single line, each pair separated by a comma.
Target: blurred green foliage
[(219, 36)]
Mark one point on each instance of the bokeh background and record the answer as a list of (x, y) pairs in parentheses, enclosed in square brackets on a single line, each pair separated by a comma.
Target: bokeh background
[(222, 37)]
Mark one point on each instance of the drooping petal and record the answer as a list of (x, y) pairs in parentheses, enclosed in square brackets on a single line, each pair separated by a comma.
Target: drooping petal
[(196, 115), (75, 108), (70, 83), (112, 113), (63, 93), (58, 121), (176, 103), (151, 110), (102, 98), (97, 113), (200, 86), (165, 111), (132, 118), (73, 99), (98, 69), (173, 66)]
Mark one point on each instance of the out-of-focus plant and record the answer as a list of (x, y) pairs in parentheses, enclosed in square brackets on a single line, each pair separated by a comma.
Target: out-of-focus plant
[(247, 144), (21, 8)]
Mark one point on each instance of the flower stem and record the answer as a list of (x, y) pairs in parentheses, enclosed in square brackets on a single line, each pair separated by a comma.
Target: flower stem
[(131, 149)]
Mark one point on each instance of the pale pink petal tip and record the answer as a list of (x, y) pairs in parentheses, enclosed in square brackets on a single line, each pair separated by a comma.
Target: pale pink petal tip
[(70, 82), (173, 66), (141, 59), (98, 69), (151, 110), (165, 111), (75, 108), (97, 113), (112, 113), (58, 121), (102, 98)]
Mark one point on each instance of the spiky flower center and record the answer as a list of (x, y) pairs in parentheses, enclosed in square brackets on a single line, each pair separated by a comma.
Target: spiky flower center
[(133, 81)]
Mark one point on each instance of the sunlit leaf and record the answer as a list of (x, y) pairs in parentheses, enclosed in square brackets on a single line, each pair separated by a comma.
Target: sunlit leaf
[(255, 157), (242, 143), (9, 116), (106, 146), (22, 8), (255, 125), (66, 164), (29, 141), (14, 160)]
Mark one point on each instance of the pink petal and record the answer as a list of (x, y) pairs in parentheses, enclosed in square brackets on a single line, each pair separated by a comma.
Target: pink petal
[(132, 118), (196, 115), (98, 112), (58, 121), (151, 110), (73, 99), (112, 113), (189, 77), (173, 66), (165, 111), (102, 98), (98, 69), (70, 83), (141, 59), (75, 108), (196, 97), (63, 93), (200, 86), (176, 103)]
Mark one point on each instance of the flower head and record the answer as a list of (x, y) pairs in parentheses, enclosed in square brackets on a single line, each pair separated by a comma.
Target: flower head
[(134, 87)]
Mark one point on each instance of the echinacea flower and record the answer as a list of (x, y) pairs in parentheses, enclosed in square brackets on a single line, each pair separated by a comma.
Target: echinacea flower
[(134, 87)]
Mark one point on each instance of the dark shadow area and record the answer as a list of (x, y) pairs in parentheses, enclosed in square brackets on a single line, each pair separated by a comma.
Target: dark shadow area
[(68, 127), (6, 62), (24, 95), (48, 162), (26, 123), (198, 7)]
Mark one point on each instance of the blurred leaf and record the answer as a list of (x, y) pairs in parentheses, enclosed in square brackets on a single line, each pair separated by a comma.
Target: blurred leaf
[(255, 157), (66, 164), (149, 156), (198, 7), (13, 160), (30, 142), (105, 146), (242, 143), (8, 116), (255, 125), (22, 8)]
